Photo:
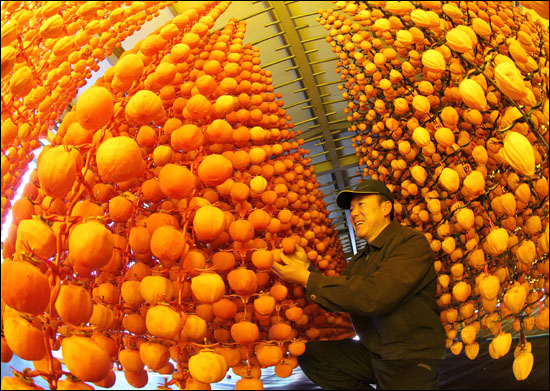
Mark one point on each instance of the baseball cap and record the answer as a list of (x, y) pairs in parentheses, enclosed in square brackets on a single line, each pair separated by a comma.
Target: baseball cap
[(368, 186)]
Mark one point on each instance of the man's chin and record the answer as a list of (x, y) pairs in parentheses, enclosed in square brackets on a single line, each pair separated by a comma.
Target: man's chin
[(361, 232)]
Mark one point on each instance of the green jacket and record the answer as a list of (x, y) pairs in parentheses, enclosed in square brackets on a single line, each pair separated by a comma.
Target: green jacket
[(388, 288)]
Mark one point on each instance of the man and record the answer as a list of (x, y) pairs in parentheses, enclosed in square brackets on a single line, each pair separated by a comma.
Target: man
[(388, 288)]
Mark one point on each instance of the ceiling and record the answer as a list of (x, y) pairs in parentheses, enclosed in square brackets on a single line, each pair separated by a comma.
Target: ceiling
[(293, 47)]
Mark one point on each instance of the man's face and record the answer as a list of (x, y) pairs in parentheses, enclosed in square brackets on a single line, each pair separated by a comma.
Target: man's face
[(367, 215)]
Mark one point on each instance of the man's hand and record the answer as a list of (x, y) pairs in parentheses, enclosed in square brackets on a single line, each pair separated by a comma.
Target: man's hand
[(296, 267), (299, 254)]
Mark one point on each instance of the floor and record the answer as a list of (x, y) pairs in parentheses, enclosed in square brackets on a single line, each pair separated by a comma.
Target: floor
[(457, 373), (297, 381)]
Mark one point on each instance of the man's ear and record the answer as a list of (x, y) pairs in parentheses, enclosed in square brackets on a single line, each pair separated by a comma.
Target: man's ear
[(387, 208)]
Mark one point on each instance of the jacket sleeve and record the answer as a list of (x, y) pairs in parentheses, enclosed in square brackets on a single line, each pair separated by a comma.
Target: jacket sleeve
[(312, 268), (396, 278)]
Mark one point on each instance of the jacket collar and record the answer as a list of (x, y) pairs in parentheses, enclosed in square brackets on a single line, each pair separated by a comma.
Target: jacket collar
[(386, 234)]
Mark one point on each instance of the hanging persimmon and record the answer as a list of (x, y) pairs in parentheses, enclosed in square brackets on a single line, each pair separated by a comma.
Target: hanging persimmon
[(24, 287), (56, 171), (118, 159), (214, 170), (94, 108), (144, 107), (88, 235)]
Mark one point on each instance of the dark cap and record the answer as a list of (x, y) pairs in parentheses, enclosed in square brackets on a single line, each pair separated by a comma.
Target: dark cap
[(368, 186)]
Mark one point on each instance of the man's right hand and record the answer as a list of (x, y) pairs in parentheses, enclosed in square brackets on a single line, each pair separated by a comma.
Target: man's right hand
[(294, 267), (299, 255)]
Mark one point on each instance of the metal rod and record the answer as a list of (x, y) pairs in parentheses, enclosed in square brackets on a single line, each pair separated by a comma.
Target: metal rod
[(282, 47), (336, 191), (257, 13), (321, 61), (313, 39), (334, 101), (329, 83), (173, 10), (344, 138), (340, 130), (347, 187), (337, 121), (318, 154), (324, 153), (296, 104), (313, 138), (321, 175), (351, 231), (112, 59), (344, 163), (340, 223), (291, 68), (267, 38), (311, 51), (302, 27), (272, 23), (277, 61), (322, 96), (329, 183), (304, 15), (336, 139), (307, 120), (300, 90), (307, 107), (331, 113), (288, 82), (319, 73), (338, 220)]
